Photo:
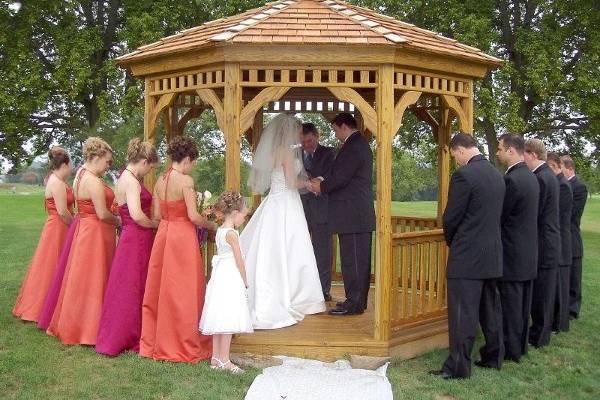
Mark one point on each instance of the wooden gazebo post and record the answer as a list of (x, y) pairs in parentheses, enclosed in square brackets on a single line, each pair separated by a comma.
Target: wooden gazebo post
[(232, 108), (383, 248)]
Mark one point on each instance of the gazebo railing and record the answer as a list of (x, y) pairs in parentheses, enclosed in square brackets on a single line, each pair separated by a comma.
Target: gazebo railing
[(419, 254), (419, 276), (400, 224)]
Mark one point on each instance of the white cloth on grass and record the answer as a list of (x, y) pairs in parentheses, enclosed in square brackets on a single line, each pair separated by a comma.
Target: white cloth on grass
[(300, 379)]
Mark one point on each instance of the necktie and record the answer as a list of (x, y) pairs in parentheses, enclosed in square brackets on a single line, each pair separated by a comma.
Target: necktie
[(308, 161)]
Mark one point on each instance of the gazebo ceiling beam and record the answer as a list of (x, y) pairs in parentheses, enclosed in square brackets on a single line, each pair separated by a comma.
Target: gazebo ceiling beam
[(352, 96), (455, 106), (303, 106), (265, 96), (209, 97), (163, 102), (193, 112), (424, 115), (407, 99)]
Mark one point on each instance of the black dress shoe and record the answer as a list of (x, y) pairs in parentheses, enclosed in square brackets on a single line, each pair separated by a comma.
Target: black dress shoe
[(481, 364), (513, 359), (443, 374), (343, 311), (327, 296)]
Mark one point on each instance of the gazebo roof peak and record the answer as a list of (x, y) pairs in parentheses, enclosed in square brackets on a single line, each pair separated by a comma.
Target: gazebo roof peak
[(313, 22)]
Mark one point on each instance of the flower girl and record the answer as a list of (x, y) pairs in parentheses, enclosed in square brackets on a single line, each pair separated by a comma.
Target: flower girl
[(226, 306)]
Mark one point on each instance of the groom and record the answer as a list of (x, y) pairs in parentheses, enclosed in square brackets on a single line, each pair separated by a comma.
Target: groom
[(351, 212)]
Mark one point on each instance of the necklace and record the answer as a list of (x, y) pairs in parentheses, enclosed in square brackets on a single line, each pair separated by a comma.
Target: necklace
[(91, 172), (131, 172)]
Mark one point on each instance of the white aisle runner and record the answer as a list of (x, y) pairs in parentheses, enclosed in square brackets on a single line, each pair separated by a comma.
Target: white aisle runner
[(300, 379)]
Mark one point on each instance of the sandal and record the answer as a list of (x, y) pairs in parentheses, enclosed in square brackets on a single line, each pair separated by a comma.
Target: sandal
[(219, 363), (234, 369)]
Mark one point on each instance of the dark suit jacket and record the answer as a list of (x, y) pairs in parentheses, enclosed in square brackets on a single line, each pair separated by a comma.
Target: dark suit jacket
[(565, 209), (519, 224), (315, 207), (472, 221), (548, 225), (350, 187), (580, 195)]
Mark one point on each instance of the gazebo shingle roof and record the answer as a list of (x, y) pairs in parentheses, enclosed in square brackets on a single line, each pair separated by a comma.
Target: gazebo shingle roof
[(310, 22)]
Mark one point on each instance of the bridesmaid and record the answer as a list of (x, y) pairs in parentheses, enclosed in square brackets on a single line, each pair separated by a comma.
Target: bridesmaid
[(176, 283), (121, 320), (58, 203), (77, 313)]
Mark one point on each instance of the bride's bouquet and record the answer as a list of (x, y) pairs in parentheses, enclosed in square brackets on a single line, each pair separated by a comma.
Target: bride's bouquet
[(201, 199)]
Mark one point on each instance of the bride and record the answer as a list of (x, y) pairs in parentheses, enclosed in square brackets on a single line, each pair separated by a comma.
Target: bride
[(282, 271)]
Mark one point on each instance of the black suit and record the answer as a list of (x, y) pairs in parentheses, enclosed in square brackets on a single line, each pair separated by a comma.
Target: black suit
[(580, 195), (544, 286), (472, 231), (316, 210), (561, 304), (352, 216), (519, 241)]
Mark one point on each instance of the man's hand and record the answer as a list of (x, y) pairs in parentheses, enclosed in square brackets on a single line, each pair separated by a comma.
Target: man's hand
[(315, 185)]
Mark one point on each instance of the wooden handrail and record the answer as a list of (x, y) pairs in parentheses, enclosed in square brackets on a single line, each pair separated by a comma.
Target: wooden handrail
[(396, 217), (418, 234)]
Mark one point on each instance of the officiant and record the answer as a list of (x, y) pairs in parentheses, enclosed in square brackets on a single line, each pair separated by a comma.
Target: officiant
[(318, 160)]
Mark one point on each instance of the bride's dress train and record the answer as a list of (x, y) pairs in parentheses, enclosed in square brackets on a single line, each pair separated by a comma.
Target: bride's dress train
[(280, 263)]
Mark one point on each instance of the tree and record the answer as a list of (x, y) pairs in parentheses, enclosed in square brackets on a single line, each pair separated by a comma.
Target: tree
[(549, 84), (60, 83)]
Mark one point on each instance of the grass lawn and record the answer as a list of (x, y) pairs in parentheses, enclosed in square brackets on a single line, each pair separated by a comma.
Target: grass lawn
[(36, 366)]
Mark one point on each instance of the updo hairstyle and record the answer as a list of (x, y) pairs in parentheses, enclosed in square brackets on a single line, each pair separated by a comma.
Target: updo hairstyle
[(95, 147), (139, 150)]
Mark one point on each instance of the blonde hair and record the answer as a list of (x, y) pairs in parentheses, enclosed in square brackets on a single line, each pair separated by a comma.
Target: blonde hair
[(536, 146), (229, 201), (138, 150), (95, 147)]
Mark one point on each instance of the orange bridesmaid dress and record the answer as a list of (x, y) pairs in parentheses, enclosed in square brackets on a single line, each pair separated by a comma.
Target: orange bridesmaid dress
[(77, 313), (43, 264), (174, 295)]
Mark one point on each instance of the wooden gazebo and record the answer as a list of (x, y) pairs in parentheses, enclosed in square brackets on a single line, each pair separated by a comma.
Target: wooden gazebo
[(324, 57)]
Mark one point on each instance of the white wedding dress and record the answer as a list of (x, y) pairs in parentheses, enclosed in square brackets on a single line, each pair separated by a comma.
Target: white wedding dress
[(280, 263)]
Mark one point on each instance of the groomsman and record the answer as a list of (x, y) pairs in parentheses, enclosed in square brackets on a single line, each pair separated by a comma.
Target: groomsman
[(580, 194), (349, 185), (471, 224), (544, 286), (317, 162), (519, 242), (565, 207)]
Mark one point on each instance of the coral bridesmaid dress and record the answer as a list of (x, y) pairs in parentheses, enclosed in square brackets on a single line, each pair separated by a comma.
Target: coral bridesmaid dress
[(77, 313), (175, 290), (38, 279), (121, 321)]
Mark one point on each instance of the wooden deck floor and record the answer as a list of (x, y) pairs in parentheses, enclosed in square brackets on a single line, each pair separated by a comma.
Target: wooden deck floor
[(326, 337)]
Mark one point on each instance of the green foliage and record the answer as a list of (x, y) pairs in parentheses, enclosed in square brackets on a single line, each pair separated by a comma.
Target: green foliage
[(60, 83), (549, 84)]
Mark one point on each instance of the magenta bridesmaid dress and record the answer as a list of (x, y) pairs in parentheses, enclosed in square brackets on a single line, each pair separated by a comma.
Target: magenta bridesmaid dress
[(121, 320), (59, 273)]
